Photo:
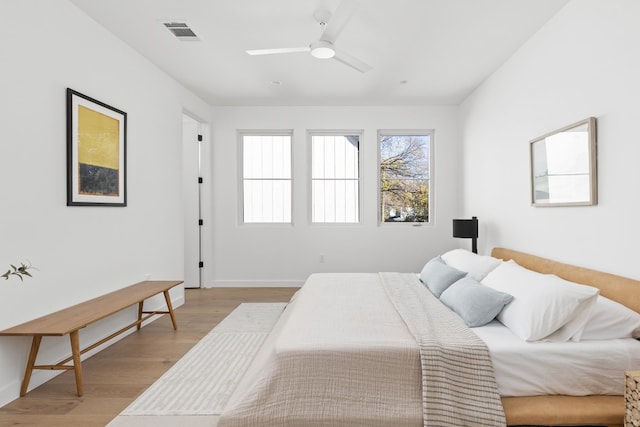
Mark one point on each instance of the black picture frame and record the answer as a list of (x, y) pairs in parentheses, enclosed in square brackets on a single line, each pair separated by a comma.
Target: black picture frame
[(96, 152)]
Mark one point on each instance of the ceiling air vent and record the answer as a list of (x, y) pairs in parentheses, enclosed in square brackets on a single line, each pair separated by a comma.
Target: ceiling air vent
[(181, 30)]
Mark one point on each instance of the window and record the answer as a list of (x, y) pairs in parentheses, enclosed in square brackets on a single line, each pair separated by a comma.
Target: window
[(405, 172), (335, 177), (266, 177)]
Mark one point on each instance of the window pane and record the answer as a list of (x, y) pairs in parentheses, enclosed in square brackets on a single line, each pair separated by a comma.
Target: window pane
[(317, 157), (267, 201), (266, 171), (340, 155), (351, 158), (335, 178), (328, 170), (404, 177), (267, 157)]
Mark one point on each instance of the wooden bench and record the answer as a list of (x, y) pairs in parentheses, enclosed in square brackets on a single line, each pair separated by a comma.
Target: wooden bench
[(70, 320)]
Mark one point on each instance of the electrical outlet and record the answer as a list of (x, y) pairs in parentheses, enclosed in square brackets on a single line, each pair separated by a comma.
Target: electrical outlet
[(322, 258)]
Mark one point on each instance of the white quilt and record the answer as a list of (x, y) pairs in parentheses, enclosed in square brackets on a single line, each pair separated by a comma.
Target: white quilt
[(340, 355)]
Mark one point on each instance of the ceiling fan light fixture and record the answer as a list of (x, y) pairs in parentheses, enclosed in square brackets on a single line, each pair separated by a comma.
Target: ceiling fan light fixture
[(322, 49)]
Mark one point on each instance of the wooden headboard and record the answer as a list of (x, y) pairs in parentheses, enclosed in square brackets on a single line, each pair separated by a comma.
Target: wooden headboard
[(621, 289)]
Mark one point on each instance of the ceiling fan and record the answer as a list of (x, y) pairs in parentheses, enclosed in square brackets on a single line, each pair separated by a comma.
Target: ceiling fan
[(324, 47)]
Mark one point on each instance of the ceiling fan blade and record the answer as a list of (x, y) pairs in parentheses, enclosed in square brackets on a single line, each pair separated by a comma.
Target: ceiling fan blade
[(339, 20), (278, 50), (351, 61)]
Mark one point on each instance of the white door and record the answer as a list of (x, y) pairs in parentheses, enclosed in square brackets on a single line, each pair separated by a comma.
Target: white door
[(191, 174)]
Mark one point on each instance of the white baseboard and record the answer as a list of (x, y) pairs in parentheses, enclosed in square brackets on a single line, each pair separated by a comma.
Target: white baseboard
[(255, 284)]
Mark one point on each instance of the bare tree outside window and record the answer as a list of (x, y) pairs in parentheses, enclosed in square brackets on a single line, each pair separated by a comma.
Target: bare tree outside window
[(404, 177)]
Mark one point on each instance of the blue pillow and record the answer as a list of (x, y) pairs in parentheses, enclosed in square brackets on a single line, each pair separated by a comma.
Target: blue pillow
[(438, 276), (477, 304)]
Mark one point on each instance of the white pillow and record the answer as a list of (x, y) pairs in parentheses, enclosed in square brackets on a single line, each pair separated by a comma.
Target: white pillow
[(478, 266), (544, 306), (611, 320)]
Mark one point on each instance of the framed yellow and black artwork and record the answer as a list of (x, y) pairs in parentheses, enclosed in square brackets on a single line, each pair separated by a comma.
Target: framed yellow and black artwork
[(96, 152)]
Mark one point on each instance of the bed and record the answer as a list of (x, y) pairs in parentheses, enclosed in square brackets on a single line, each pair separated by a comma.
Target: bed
[(606, 410), (351, 350)]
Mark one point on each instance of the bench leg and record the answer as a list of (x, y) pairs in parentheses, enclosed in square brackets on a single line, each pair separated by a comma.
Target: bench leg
[(170, 308), (140, 304), (77, 363), (35, 346)]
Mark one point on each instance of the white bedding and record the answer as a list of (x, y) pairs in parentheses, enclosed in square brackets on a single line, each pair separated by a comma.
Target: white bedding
[(342, 355), (574, 368)]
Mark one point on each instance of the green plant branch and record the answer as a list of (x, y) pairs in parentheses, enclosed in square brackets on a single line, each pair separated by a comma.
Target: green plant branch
[(19, 272)]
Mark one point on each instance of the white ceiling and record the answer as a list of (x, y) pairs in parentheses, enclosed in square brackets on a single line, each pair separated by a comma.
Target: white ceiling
[(442, 49)]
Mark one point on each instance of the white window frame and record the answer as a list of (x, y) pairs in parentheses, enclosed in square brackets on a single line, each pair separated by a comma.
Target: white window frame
[(333, 132), (240, 137), (407, 132)]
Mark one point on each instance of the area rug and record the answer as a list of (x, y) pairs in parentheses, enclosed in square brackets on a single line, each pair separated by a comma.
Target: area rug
[(202, 381)]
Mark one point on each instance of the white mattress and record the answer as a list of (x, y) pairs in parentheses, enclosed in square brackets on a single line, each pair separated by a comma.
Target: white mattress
[(573, 368)]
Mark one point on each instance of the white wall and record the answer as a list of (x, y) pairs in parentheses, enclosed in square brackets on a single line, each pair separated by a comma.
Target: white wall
[(286, 255), (583, 62), (81, 252)]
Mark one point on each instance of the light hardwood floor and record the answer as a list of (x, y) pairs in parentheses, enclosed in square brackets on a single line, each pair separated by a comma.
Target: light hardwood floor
[(114, 377)]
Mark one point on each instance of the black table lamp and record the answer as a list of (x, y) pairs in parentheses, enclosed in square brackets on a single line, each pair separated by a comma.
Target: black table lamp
[(467, 229)]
